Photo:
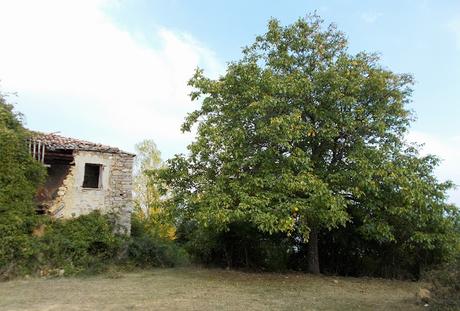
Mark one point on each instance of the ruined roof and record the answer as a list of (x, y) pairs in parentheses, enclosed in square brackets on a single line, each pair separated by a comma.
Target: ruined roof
[(54, 142)]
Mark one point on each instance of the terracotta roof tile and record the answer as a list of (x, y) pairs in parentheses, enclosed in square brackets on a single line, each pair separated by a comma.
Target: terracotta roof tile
[(58, 142)]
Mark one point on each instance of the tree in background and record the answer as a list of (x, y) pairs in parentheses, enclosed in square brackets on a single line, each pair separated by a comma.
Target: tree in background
[(302, 138), (147, 200), (20, 176), (146, 196)]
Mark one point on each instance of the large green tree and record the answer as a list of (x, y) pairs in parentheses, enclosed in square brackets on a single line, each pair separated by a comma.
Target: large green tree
[(301, 136)]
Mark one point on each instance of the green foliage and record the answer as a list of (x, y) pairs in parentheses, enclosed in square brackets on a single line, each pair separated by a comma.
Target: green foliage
[(148, 206), (146, 195), (446, 286), (242, 246), (301, 136), (85, 244), (149, 248), (20, 176), (399, 230)]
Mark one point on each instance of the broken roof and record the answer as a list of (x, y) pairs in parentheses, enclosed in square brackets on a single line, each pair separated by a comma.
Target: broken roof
[(54, 142)]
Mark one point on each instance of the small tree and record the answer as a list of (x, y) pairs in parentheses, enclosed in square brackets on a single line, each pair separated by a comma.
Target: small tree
[(148, 158), (148, 203), (301, 136)]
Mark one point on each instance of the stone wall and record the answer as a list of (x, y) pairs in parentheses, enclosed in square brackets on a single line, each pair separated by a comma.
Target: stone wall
[(121, 186), (113, 195)]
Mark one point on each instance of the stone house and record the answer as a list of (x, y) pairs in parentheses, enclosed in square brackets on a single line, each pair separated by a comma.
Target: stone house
[(83, 177)]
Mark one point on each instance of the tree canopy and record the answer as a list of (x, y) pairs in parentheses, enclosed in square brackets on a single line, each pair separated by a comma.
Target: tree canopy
[(300, 136)]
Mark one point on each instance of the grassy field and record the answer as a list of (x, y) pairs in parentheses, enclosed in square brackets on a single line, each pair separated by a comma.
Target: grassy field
[(207, 289)]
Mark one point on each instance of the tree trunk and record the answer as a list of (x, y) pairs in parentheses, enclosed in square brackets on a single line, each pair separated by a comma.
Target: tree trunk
[(228, 258), (246, 257), (312, 254)]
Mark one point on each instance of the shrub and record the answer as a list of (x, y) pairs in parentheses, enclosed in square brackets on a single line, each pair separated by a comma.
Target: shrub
[(446, 286), (84, 244), (20, 176), (241, 246), (87, 244), (148, 248), (16, 248)]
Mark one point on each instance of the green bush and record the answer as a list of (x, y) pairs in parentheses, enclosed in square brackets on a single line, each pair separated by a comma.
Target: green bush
[(86, 244), (446, 286), (147, 248), (16, 248), (241, 246), (20, 176)]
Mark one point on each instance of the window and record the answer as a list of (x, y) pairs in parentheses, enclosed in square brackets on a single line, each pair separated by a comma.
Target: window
[(92, 177)]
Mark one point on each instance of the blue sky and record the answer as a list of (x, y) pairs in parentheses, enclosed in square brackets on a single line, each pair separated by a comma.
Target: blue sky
[(115, 71), (418, 37)]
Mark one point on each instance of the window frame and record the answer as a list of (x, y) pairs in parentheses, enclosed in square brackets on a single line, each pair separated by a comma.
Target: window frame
[(99, 178)]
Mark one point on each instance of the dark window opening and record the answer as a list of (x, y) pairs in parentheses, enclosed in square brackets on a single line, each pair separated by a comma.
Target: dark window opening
[(40, 209), (92, 176)]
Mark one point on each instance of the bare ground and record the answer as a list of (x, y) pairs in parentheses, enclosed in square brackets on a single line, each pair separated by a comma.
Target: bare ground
[(208, 289)]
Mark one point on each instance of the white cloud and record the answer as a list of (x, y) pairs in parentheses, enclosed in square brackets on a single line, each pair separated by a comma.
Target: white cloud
[(370, 17), (448, 150), (454, 27), (70, 58)]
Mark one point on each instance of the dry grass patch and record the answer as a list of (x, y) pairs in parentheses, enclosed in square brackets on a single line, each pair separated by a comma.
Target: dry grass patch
[(208, 289)]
